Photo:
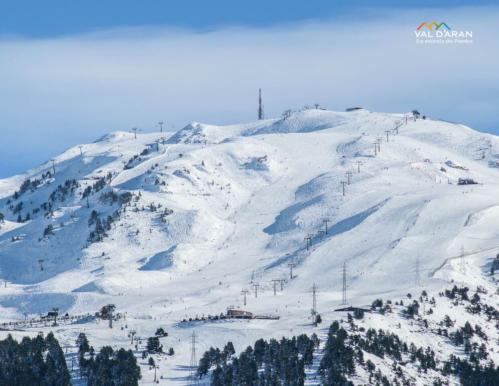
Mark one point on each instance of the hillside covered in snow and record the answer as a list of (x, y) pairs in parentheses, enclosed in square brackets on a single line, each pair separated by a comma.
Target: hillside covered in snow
[(172, 227)]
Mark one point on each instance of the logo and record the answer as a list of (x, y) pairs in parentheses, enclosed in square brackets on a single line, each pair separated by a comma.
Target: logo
[(440, 33), (431, 25)]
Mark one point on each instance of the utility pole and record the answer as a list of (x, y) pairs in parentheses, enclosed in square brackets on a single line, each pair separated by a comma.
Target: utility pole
[(387, 132), (260, 105), (244, 293), (111, 308), (255, 286), (309, 241), (343, 183), (325, 221), (378, 141), (193, 355), (134, 129), (314, 305), (155, 378), (55, 314), (160, 124), (291, 266), (349, 177), (358, 166), (132, 334), (418, 276), (275, 281), (282, 283), (53, 165), (375, 148), (344, 289)]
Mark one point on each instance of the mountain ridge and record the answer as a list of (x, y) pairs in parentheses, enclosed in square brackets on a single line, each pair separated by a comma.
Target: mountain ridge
[(171, 225)]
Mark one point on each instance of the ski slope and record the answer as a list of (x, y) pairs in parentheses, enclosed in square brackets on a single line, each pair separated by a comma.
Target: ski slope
[(241, 200)]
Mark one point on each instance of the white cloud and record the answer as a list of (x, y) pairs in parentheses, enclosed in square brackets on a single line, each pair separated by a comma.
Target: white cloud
[(54, 92)]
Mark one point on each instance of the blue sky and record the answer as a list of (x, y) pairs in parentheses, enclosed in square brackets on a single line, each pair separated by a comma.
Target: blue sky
[(71, 71), (47, 18)]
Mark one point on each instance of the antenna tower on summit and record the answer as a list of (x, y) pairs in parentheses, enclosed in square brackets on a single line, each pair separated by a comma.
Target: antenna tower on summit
[(260, 105)]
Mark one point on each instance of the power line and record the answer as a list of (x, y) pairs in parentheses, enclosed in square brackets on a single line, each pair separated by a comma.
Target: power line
[(281, 280), (358, 166), (309, 241), (314, 305), (325, 221), (53, 165), (244, 293), (193, 356), (344, 288), (255, 286), (111, 308), (160, 124), (291, 266), (349, 177), (343, 183), (447, 259)]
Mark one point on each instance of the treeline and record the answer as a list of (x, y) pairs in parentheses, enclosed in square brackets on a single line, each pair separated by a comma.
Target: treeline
[(59, 194), (344, 351), (266, 363), (40, 361), (283, 362), (33, 361), (108, 367)]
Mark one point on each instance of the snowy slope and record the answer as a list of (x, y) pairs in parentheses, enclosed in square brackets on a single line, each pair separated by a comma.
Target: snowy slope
[(213, 209)]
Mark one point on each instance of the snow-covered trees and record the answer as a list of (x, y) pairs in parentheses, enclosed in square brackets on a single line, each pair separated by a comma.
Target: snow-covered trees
[(108, 367), (266, 363), (153, 345), (338, 359), (160, 332), (33, 361)]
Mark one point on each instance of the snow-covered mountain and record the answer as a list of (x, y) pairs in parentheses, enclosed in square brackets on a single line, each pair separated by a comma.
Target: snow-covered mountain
[(174, 226)]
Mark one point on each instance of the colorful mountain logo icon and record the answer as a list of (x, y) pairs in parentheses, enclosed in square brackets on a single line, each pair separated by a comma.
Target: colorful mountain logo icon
[(433, 26)]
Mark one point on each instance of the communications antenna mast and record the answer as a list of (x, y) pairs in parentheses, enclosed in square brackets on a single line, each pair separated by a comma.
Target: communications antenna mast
[(260, 105)]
